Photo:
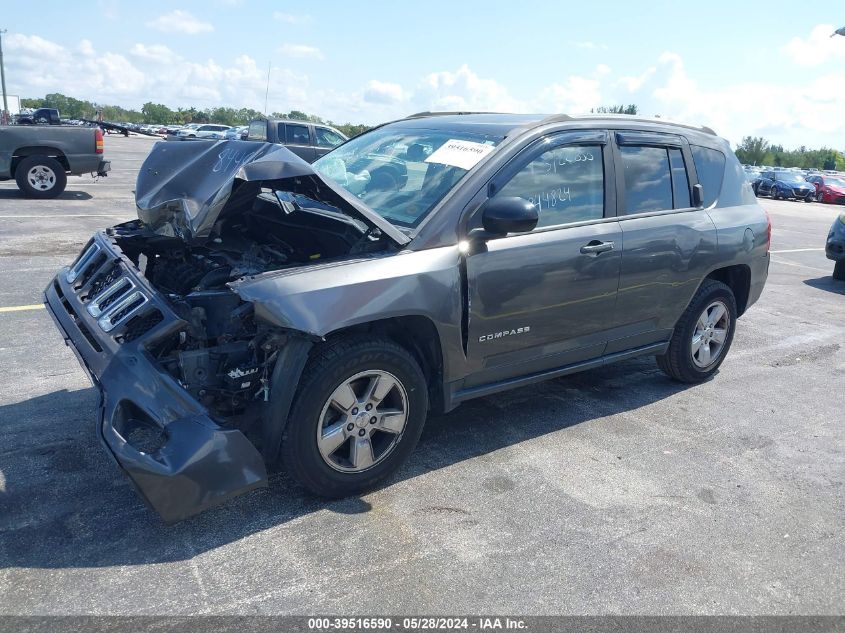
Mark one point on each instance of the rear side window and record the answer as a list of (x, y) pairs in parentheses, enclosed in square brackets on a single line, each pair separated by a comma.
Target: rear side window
[(648, 181), (710, 165), (297, 134), (566, 183)]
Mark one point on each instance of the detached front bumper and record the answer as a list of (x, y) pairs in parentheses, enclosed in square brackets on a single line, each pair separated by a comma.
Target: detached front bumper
[(178, 458)]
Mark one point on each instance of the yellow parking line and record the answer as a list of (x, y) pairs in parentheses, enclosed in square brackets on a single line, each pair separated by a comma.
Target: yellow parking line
[(36, 306)]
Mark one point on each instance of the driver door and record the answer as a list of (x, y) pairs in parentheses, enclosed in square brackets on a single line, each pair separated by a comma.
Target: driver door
[(545, 299)]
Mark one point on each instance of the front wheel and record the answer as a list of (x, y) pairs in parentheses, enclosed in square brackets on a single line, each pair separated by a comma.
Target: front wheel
[(819, 197), (703, 334), (359, 411), (774, 193), (839, 270)]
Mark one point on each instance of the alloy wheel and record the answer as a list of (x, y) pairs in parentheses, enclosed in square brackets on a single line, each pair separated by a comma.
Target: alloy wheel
[(362, 421), (710, 334)]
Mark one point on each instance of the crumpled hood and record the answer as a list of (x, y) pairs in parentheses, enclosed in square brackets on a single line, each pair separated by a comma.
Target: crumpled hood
[(183, 187)]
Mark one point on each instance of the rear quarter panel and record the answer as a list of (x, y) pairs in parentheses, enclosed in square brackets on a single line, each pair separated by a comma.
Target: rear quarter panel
[(741, 225)]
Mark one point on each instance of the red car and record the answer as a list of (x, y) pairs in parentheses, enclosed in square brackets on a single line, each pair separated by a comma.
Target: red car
[(830, 189)]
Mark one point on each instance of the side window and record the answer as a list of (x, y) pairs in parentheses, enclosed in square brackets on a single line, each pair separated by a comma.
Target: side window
[(257, 131), (710, 165), (566, 183), (327, 138), (648, 181), (680, 181), (297, 134)]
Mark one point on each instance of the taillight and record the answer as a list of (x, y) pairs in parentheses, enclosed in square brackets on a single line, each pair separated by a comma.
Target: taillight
[(98, 140), (768, 231)]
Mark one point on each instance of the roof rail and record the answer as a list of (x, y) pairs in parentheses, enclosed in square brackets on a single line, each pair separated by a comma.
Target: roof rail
[(419, 115), (627, 117)]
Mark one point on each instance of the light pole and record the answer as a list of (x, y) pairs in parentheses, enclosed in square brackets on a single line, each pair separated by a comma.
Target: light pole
[(4, 116)]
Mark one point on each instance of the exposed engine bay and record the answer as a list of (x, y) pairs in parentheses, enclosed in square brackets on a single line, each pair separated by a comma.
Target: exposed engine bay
[(224, 355)]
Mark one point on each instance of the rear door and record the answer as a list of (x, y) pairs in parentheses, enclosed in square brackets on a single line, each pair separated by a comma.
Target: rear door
[(297, 138), (669, 246), (546, 299)]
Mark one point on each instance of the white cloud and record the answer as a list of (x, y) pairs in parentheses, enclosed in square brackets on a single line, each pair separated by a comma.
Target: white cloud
[(178, 21), (383, 92), (634, 83), (289, 18), (577, 95), (816, 49), (137, 77), (603, 69), (300, 51), (154, 53), (465, 90)]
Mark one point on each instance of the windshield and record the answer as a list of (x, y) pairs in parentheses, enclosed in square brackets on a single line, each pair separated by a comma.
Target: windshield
[(402, 174)]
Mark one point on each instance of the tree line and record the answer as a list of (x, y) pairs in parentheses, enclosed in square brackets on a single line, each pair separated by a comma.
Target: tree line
[(157, 113), (753, 150)]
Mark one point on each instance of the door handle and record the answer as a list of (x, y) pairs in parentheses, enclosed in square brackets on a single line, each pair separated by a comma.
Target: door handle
[(595, 247)]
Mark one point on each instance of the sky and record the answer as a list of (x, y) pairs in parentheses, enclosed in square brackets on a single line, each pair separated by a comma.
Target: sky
[(766, 69)]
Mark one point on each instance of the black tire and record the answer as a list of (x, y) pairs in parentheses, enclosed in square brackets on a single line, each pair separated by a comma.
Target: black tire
[(820, 197), (53, 186), (774, 193), (839, 270), (328, 368), (809, 198), (678, 362)]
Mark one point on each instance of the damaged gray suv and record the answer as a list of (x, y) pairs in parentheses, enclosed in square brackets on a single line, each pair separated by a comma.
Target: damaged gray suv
[(266, 311)]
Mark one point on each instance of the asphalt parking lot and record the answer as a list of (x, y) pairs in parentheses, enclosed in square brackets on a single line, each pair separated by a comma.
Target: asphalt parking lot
[(611, 491)]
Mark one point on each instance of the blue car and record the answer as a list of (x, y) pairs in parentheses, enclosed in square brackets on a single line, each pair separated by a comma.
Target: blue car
[(785, 184)]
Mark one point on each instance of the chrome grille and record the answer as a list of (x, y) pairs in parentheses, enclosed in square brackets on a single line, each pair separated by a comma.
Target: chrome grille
[(116, 303), (83, 263)]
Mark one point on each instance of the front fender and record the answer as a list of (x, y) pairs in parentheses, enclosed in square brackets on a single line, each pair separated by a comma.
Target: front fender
[(324, 298)]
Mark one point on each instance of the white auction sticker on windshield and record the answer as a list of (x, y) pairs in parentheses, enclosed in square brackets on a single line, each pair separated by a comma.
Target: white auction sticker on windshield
[(457, 153)]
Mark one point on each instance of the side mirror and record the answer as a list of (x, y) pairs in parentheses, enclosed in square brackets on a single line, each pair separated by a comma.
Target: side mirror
[(698, 196), (500, 216)]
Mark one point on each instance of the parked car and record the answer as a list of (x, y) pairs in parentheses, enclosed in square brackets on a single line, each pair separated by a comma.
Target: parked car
[(753, 178), (307, 140), (785, 184), (208, 130), (237, 133), (40, 157), (330, 311), (835, 247), (829, 189)]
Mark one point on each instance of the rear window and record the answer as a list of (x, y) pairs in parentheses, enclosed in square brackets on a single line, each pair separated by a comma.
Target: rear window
[(710, 165), (257, 131)]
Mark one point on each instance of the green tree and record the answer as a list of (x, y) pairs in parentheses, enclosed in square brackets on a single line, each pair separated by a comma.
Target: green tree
[(752, 150), (157, 113), (616, 109)]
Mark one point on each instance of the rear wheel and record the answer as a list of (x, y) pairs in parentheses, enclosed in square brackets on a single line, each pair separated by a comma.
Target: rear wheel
[(358, 413), (839, 270), (703, 334), (40, 177)]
